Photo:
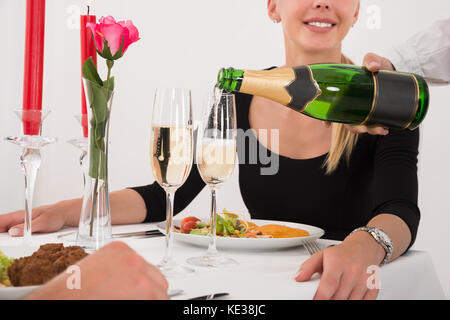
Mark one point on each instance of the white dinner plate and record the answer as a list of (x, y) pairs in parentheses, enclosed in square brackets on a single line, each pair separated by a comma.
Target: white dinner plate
[(249, 243), (13, 293)]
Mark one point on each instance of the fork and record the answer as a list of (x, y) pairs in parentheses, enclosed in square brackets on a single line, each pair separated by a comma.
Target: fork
[(312, 247)]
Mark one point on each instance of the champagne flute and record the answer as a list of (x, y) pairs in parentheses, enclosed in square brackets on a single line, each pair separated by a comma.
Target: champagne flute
[(171, 158), (216, 158)]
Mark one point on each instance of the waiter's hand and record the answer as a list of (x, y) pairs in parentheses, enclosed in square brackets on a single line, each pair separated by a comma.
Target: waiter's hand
[(374, 63), (344, 268)]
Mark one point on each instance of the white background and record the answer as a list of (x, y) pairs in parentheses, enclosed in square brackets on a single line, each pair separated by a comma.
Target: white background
[(183, 44)]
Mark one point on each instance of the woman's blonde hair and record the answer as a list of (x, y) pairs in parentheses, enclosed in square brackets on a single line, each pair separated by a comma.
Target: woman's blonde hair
[(342, 140)]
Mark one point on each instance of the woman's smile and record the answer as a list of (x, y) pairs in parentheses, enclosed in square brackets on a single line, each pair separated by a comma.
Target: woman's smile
[(320, 24)]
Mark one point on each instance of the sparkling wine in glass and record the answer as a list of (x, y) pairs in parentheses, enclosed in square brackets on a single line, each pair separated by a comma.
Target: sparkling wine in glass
[(171, 158), (216, 159)]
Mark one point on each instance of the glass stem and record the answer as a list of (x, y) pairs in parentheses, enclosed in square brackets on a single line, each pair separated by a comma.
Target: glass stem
[(212, 251), (30, 161), (84, 167), (170, 196)]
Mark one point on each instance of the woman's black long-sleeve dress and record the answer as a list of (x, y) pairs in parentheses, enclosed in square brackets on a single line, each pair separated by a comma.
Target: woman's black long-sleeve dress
[(380, 178)]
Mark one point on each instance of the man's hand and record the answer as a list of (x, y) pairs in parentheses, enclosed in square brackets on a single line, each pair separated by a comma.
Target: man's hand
[(113, 272), (374, 63)]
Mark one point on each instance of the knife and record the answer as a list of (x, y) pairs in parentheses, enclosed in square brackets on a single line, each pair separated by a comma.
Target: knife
[(122, 235), (175, 292), (138, 234), (210, 296)]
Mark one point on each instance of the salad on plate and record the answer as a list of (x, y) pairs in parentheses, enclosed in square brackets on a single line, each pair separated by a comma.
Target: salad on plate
[(230, 225)]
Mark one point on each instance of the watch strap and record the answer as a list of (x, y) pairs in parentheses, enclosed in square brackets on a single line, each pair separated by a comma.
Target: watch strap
[(381, 238)]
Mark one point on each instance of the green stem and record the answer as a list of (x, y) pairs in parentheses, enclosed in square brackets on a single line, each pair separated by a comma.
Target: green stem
[(109, 64), (93, 209)]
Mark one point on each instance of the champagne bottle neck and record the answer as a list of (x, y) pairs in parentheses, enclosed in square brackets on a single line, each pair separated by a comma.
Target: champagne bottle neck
[(230, 79)]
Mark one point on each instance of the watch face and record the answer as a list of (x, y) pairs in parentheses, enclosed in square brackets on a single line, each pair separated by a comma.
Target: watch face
[(384, 237)]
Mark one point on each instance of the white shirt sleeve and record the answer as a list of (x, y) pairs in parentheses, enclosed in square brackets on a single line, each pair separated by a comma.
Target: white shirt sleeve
[(427, 54)]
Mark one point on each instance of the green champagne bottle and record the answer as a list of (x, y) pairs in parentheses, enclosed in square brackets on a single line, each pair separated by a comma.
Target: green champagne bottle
[(338, 93)]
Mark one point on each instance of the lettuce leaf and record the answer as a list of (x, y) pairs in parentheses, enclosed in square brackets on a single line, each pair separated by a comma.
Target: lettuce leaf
[(5, 262)]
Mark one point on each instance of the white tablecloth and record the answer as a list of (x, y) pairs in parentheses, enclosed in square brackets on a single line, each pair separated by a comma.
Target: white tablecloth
[(267, 275)]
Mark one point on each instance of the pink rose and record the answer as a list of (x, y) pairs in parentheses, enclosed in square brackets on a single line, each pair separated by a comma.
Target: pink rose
[(110, 36)]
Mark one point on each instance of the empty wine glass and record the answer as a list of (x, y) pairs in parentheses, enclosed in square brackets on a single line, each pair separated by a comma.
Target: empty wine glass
[(171, 158), (216, 158)]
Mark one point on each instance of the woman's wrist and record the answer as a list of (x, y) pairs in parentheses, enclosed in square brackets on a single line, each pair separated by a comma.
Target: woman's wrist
[(368, 244), (70, 210)]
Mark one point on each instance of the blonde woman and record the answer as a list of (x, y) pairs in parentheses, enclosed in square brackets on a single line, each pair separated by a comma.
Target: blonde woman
[(327, 176)]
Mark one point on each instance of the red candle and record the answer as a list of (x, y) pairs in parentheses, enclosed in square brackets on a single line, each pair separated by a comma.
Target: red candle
[(87, 50), (34, 63)]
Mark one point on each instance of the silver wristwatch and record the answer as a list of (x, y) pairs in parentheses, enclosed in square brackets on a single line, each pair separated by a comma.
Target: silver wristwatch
[(382, 238)]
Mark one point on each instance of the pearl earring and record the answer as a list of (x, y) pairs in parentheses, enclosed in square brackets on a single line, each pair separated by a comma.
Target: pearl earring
[(275, 21)]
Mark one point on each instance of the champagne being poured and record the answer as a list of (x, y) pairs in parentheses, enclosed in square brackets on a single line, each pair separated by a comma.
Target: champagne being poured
[(338, 93)]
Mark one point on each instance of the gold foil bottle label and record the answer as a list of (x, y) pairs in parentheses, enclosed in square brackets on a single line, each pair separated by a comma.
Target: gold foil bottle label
[(270, 84)]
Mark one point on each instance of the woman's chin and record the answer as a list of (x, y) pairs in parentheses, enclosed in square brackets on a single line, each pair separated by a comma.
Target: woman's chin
[(317, 48)]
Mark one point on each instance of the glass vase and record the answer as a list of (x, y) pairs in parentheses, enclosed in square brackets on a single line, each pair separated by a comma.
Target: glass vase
[(94, 229)]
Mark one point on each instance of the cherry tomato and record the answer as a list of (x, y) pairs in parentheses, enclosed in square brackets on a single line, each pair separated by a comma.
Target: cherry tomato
[(188, 226), (187, 219)]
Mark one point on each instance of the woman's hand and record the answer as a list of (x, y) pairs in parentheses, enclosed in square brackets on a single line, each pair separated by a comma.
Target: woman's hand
[(113, 272), (127, 207), (44, 219), (374, 63), (373, 130), (344, 268)]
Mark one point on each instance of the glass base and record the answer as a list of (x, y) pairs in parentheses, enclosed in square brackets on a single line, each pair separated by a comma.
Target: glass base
[(212, 261), (92, 244), (173, 270)]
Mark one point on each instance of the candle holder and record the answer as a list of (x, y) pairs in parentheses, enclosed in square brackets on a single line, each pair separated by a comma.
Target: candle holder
[(30, 159), (82, 144)]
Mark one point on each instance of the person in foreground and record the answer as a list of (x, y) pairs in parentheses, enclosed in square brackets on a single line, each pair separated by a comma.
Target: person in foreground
[(327, 176), (114, 272)]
